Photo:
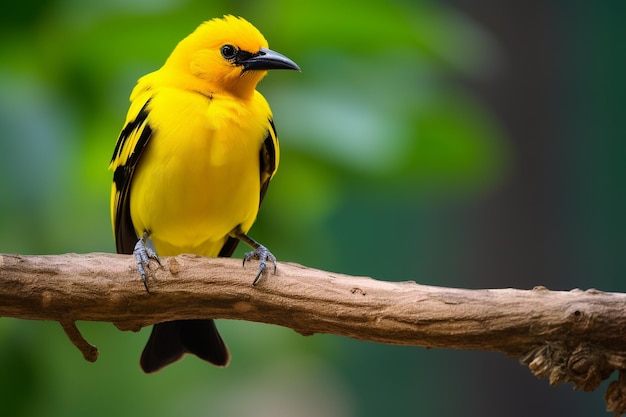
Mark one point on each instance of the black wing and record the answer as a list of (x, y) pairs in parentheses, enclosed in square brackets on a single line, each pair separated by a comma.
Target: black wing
[(128, 150)]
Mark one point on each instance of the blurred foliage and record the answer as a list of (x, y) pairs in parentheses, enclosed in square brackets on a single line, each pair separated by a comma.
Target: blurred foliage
[(70, 65), (375, 133)]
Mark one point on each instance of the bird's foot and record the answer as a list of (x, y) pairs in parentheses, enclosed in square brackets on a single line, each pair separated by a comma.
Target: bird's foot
[(143, 253), (263, 255)]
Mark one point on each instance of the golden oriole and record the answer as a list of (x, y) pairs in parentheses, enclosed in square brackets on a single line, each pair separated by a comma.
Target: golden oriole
[(192, 164)]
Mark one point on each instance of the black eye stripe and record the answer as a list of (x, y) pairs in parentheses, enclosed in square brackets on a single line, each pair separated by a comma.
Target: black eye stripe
[(243, 55), (234, 54)]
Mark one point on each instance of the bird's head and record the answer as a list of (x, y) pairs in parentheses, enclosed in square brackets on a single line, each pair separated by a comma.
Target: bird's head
[(226, 55)]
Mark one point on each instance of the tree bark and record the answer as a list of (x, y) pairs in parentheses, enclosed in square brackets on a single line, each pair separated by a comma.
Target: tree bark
[(568, 336)]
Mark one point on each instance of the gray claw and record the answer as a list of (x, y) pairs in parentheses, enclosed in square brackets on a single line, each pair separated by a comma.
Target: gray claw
[(143, 254), (263, 255)]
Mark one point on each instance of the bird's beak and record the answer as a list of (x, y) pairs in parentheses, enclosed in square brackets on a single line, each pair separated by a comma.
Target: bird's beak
[(267, 59)]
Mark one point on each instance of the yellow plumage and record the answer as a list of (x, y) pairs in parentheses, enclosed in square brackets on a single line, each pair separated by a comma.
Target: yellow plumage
[(192, 164)]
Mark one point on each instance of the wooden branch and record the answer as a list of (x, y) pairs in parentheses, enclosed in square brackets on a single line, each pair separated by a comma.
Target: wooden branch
[(574, 336)]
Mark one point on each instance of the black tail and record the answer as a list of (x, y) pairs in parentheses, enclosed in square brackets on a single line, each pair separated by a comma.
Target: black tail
[(171, 340)]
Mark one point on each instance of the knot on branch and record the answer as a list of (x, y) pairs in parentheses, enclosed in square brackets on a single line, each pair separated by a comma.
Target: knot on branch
[(585, 366)]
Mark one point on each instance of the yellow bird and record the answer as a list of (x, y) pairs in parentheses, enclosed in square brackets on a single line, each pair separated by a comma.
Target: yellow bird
[(192, 164)]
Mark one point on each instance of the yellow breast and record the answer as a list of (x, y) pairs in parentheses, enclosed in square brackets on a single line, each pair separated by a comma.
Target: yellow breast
[(199, 175)]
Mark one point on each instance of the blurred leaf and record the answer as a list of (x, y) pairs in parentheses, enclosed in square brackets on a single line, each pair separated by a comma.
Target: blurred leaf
[(456, 144)]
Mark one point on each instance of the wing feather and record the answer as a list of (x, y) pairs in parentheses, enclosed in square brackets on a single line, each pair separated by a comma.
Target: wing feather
[(128, 150)]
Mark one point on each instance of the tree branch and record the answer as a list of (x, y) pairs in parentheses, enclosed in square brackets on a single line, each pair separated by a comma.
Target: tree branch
[(574, 336)]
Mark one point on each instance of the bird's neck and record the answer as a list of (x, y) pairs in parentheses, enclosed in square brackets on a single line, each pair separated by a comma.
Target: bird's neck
[(242, 88)]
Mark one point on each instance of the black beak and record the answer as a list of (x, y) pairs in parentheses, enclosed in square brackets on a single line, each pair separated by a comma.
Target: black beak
[(267, 59)]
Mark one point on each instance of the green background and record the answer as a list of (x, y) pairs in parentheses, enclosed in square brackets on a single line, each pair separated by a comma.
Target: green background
[(464, 144)]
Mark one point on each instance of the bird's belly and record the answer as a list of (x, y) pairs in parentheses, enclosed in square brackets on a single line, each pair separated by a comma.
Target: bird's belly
[(196, 195)]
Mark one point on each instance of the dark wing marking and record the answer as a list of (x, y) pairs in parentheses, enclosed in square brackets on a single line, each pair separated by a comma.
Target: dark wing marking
[(136, 133), (267, 159)]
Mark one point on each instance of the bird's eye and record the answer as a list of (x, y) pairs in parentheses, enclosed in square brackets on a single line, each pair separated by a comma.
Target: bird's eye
[(228, 51)]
